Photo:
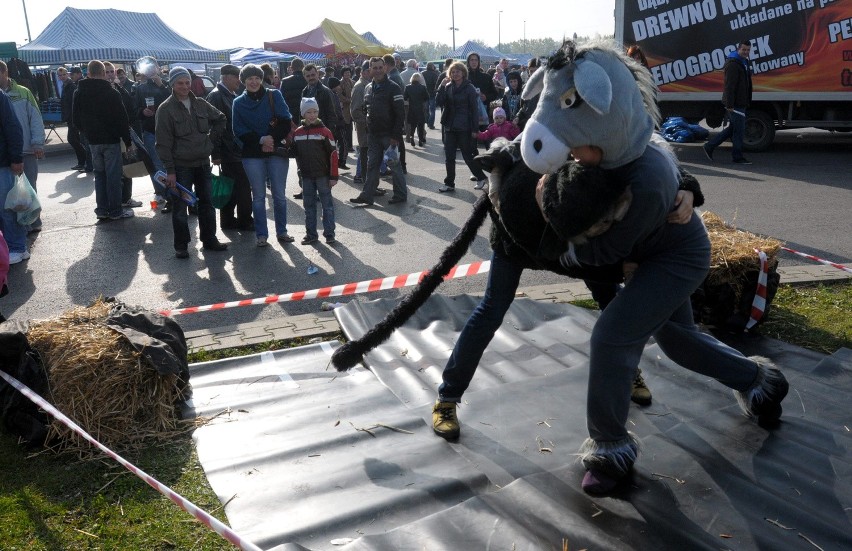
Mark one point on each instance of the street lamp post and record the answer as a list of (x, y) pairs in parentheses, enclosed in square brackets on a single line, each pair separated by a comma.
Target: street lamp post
[(525, 36), (453, 28), (27, 20), (499, 21)]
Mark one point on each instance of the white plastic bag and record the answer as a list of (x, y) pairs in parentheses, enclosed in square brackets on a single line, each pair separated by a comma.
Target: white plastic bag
[(391, 156), (29, 216), (19, 198)]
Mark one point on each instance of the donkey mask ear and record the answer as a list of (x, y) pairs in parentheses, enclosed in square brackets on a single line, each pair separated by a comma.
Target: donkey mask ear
[(593, 84), (534, 85)]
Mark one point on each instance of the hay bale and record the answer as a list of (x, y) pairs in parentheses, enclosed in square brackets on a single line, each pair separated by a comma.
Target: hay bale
[(732, 250), (101, 382), (724, 299)]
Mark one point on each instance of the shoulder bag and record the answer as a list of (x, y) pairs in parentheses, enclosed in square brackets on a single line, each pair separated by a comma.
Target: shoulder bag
[(283, 150)]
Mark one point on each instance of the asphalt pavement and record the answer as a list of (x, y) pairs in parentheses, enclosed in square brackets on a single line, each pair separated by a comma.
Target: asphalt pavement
[(798, 192)]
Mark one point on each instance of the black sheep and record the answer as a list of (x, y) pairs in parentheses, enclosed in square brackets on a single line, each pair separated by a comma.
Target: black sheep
[(577, 199)]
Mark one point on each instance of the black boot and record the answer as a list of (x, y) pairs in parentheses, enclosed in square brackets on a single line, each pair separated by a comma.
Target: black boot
[(763, 399)]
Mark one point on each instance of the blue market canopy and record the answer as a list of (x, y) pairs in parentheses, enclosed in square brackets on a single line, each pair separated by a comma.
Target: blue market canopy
[(311, 57), (486, 54), (258, 56), (520, 59), (370, 37), (78, 36)]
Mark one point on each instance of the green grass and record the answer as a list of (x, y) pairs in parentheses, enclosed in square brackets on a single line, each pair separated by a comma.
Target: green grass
[(58, 503), (202, 355), (817, 317)]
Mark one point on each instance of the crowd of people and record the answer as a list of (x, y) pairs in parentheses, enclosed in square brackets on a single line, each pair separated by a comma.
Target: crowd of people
[(249, 125)]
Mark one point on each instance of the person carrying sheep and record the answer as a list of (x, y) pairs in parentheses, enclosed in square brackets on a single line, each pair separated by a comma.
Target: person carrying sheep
[(597, 105)]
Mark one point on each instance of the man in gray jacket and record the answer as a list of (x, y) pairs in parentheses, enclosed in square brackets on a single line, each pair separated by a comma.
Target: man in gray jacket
[(187, 130), (384, 104), (359, 117)]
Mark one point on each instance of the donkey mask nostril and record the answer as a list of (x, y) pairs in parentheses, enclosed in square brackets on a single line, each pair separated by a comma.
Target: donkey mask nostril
[(537, 145)]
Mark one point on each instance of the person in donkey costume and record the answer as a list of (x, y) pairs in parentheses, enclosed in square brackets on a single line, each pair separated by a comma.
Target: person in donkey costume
[(597, 106)]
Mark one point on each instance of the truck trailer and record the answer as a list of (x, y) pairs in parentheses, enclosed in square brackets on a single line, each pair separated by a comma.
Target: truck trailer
[(801, 59)]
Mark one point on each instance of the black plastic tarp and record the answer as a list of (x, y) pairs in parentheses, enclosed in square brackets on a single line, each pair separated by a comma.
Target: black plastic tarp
[(288, 445)]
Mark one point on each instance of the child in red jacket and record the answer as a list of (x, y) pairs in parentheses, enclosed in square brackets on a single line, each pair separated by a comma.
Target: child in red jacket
[(316, 156), (500, 128)]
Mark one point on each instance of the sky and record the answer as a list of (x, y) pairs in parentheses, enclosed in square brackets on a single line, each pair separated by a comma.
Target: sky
[(211, 27)]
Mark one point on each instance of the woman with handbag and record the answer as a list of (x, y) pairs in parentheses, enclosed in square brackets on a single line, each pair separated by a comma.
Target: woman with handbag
[(459, 102), (261, 120)]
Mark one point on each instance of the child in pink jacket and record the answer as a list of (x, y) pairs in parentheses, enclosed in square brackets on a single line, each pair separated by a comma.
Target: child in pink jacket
[(500, 128)]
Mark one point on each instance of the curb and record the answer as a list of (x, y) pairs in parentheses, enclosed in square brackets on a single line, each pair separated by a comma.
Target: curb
[(322, 324)]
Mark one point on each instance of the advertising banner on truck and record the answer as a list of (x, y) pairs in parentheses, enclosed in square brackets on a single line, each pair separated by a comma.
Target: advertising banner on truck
[(798, 46)]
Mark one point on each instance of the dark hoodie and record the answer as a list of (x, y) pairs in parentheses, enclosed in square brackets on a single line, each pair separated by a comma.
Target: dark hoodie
[(512, 98), (11, 134), (223, 99), (737, 93), (99, 114), (482, 80)]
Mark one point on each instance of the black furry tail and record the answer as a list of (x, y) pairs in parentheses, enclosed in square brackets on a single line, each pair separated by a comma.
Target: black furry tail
[(352, 352)]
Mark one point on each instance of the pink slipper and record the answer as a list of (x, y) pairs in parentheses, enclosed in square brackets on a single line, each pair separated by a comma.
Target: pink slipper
[(597, 482)]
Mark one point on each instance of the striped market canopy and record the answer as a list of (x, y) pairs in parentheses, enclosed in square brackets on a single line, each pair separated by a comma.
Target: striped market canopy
[(78, 36), (370, 37), (311, 56), (486, 54), (257, 56)]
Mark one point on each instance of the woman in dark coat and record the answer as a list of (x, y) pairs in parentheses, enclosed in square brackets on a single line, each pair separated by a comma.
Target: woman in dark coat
[(418, 102), (460, 121)]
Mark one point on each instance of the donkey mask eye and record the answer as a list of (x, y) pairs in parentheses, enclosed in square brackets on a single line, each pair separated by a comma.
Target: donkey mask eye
[(570, 99)]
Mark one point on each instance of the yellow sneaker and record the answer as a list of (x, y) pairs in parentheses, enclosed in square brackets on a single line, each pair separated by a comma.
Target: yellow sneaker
[(640, 393), (444, 420)]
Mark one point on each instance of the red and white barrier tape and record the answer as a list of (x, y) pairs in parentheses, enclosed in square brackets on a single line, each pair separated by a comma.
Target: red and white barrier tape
[(369, 286), (758, 305), (381, 284), (820, 260), (202, 516)]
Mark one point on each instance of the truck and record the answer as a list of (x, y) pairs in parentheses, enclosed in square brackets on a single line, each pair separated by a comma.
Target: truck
[(801, 59)]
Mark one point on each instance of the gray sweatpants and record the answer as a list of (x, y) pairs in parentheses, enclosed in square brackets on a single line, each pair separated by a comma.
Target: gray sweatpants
[(655, 301)]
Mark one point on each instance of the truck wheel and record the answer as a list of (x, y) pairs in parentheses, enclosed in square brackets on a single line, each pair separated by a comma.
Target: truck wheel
[(759, 131)]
